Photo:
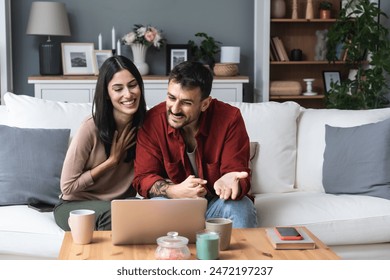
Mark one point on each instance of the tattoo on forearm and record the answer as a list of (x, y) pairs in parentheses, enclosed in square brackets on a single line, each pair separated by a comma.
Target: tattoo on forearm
[(159, 189)]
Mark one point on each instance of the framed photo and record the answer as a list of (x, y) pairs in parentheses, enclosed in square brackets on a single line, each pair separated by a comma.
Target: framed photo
[(100, 57), (78, 58), (329, 78), (176, 54)]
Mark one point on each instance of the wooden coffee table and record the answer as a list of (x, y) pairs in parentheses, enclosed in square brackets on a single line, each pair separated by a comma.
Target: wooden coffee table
[(246, 244)]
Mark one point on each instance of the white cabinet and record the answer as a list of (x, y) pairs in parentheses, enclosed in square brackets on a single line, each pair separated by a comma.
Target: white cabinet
[(82, 88)]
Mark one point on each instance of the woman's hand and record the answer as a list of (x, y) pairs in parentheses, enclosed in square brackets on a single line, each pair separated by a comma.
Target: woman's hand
[(121, 143)]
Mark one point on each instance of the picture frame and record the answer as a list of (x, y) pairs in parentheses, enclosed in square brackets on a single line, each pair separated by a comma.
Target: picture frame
[(329, 77), (176, 53), (100, 57), (78, 58)]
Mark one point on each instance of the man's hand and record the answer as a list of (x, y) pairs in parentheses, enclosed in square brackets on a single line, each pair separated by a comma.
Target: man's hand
[(191, 187), (228, 186)]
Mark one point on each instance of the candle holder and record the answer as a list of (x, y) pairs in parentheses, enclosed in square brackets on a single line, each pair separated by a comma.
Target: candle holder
[(309, 87)]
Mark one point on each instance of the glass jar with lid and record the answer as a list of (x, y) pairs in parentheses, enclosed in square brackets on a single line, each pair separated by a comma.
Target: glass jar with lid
[(172, 247)]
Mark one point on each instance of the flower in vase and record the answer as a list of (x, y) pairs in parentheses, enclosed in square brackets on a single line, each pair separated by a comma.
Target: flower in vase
[(145, 35)]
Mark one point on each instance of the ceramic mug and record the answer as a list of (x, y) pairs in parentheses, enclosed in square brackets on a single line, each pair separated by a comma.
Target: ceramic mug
[(82, 225), (223, 227)]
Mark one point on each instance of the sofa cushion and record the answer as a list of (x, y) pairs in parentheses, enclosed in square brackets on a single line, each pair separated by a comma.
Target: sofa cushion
[(30, 164), (357, 160), (334, 219), (311, 140), (30, 112), (273, 125), (27, 233), (4, 119)]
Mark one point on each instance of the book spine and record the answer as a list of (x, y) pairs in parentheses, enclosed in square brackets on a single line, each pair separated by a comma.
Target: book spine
[(278, 49), (283, 50)]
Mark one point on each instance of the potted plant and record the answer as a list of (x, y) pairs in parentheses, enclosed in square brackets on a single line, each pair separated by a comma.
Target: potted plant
[(325, 8), (367, 45), (206, 50)]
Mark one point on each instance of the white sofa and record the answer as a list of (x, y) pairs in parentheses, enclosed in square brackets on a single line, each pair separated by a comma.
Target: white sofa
[(286, 181)]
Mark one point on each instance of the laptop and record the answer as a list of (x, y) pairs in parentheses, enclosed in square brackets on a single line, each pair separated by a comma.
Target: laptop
[(142, 221)]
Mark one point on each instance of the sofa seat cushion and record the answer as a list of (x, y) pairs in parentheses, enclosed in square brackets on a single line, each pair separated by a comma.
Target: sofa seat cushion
[(311, 140), (274, 126), (27, 232), (335, 219)]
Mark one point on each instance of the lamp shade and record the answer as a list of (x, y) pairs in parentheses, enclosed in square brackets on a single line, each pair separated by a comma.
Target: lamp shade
[(230, 54), (48, 18)]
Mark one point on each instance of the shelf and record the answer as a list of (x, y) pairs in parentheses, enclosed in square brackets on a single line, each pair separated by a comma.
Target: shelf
[(296, 97), (303, 20), (303, 62)]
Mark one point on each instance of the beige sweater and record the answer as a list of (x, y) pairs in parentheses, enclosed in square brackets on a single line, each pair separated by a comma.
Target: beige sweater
[(85, 152)]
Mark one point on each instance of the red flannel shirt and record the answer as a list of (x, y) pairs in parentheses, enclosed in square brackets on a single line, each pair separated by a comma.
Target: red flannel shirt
[(222, 147)]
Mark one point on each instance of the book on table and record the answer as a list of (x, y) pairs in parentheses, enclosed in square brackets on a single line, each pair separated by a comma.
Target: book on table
[(305, 243)]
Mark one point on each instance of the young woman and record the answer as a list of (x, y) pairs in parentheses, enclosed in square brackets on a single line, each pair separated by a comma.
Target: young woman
[(99, 164)]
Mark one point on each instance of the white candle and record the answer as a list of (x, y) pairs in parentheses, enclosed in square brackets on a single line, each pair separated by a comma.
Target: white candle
[(113, 38), (118, 48), (100, 41)]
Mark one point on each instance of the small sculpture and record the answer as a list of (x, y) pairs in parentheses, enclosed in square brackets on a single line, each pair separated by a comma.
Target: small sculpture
[(309, 86), (320, 48)]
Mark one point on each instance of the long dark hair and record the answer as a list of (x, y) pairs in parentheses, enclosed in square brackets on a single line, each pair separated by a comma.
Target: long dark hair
[(102, 111)]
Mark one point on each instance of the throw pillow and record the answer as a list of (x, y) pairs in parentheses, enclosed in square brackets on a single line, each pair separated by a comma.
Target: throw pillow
[(274, 126), (30, 164), (30, 112), (357, 160)]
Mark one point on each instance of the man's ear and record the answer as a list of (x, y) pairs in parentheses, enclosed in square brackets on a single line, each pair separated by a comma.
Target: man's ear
[(205, 103)]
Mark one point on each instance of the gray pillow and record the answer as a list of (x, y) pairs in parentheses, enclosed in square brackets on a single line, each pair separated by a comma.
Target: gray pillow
[(357, 160), (30, 164)]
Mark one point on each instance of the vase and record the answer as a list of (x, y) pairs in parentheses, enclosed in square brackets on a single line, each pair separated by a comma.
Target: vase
[(294, 13), (309, 10), (278, 8), (139, 55)]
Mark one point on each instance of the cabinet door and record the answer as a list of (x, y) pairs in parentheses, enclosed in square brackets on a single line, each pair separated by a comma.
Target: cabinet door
[(155, 93)]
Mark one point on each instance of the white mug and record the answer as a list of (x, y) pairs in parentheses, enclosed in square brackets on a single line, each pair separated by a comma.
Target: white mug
[(82, 225)]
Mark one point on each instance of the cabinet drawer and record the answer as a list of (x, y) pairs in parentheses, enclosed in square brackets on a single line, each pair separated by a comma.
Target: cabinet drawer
[(225, 94), (72, 96)]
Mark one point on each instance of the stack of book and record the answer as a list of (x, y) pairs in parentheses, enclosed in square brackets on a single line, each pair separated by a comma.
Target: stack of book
[(305, 243), (277, 50)]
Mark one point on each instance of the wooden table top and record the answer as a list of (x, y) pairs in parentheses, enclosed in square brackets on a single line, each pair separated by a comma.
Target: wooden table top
[(246, 244)]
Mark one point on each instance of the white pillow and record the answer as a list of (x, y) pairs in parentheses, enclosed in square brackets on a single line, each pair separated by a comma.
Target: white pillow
[(30, 112), (273, 126)]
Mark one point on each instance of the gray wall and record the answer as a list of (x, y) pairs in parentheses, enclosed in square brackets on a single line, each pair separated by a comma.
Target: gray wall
[(228, 21)]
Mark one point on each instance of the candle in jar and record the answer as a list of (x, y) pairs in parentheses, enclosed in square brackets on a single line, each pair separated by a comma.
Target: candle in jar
[(207, 245)]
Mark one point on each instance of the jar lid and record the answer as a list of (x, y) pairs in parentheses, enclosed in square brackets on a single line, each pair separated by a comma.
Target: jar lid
[(172, 240)]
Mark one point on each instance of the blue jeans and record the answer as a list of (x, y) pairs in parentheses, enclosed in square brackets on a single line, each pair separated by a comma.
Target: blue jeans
[(242, 212)]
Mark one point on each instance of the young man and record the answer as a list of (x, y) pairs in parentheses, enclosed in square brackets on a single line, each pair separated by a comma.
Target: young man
[(195, 146)]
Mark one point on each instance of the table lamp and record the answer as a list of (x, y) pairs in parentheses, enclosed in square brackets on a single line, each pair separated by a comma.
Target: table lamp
[(51, 19), (230, 58)]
